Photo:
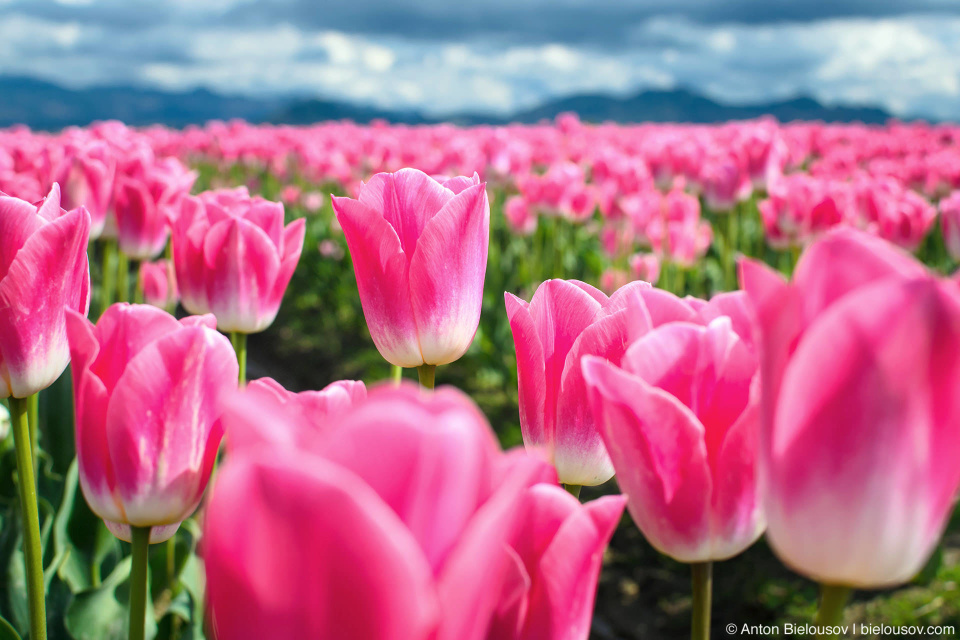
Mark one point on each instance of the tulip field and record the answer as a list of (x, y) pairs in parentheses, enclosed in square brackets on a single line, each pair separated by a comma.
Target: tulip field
[(557, 381)]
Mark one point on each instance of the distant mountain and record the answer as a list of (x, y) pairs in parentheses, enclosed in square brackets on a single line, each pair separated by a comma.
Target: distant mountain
[(683, 106), (43, 105)]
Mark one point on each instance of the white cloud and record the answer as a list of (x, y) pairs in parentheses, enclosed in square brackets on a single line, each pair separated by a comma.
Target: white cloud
[(910, 64)]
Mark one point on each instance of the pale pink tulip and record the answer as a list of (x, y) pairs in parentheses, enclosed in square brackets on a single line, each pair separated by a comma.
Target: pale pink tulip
[(234, 258), (419, 250), (148, 393), (43, 273), (860, 363)]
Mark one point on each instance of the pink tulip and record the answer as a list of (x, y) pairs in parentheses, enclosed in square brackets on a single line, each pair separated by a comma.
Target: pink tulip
[(419, 250), (950, 223), (860, 363), (557, 556), (565, 320), (376, 530), (86, 174), (146, 201), (646, 267), (159, 284), (43, 272), (148, 393), (680, 423), (234, 258), (310, 414), (521, 220)]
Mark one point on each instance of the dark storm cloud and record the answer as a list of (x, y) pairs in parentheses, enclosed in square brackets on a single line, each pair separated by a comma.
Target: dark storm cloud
[(595, 22)]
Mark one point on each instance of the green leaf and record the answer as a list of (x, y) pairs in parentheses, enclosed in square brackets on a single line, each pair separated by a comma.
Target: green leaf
[(81, 533), (102, 613), (7, 632)]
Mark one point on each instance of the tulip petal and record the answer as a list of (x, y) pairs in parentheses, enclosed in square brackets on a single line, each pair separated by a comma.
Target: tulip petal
[(866, 426), (48, 275), (531, 374), (245, 263), (18, 221), (173, 390), (382, 278), (657, 448), (408, 200), (322, 556), (446, 275)]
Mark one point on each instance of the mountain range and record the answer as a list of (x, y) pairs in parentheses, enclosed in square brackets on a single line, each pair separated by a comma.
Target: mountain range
[(43, 105)]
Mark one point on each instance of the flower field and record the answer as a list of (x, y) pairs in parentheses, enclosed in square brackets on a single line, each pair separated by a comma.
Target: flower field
[(686, 376)]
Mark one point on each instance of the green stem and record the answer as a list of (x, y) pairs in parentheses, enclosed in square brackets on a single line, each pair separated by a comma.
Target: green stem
[(171, 561), (140, 539), (833, 600), (702, 578), (109, 274), (32, 551), (137, 286), (123, 277), (239, 342), (396, 373), (573, 489), (33, 415), (427, 374)]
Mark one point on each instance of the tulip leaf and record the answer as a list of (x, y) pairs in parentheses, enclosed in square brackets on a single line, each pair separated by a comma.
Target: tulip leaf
[(101, 613), (83, 534), (7, 632)]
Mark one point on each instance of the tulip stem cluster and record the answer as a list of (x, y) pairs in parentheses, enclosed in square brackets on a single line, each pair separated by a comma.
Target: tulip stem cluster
[(702, 579), (140, 542), (427, 374), (32, 552), (239, 342), (833, 600)]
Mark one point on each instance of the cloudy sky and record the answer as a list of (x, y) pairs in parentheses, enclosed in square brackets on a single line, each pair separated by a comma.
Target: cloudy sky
[(442, 56)]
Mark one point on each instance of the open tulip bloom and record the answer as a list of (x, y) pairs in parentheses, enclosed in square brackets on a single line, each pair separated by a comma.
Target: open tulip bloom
[(860, 367), (419, 250), (400, 519)]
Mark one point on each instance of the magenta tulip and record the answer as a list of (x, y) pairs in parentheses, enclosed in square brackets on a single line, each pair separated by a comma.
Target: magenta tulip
[(43, 272), (396, 525), (860, 366), (557, 556), (419, 249), (234, 258), (86, 174), (148, 393), (680, 423)]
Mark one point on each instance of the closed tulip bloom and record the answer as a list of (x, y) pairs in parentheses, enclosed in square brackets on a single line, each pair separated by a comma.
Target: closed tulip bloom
[(158, 282), (148, 393), (860, 366), (86, 174), (234, 258), (146, 202), (419, 249), (375, 531), (680, 423), (557, 557), (43, 272)]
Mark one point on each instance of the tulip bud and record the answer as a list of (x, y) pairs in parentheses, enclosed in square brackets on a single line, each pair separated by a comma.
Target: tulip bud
[(148, 392), (860, 366), (419, 249), (43, 272)]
